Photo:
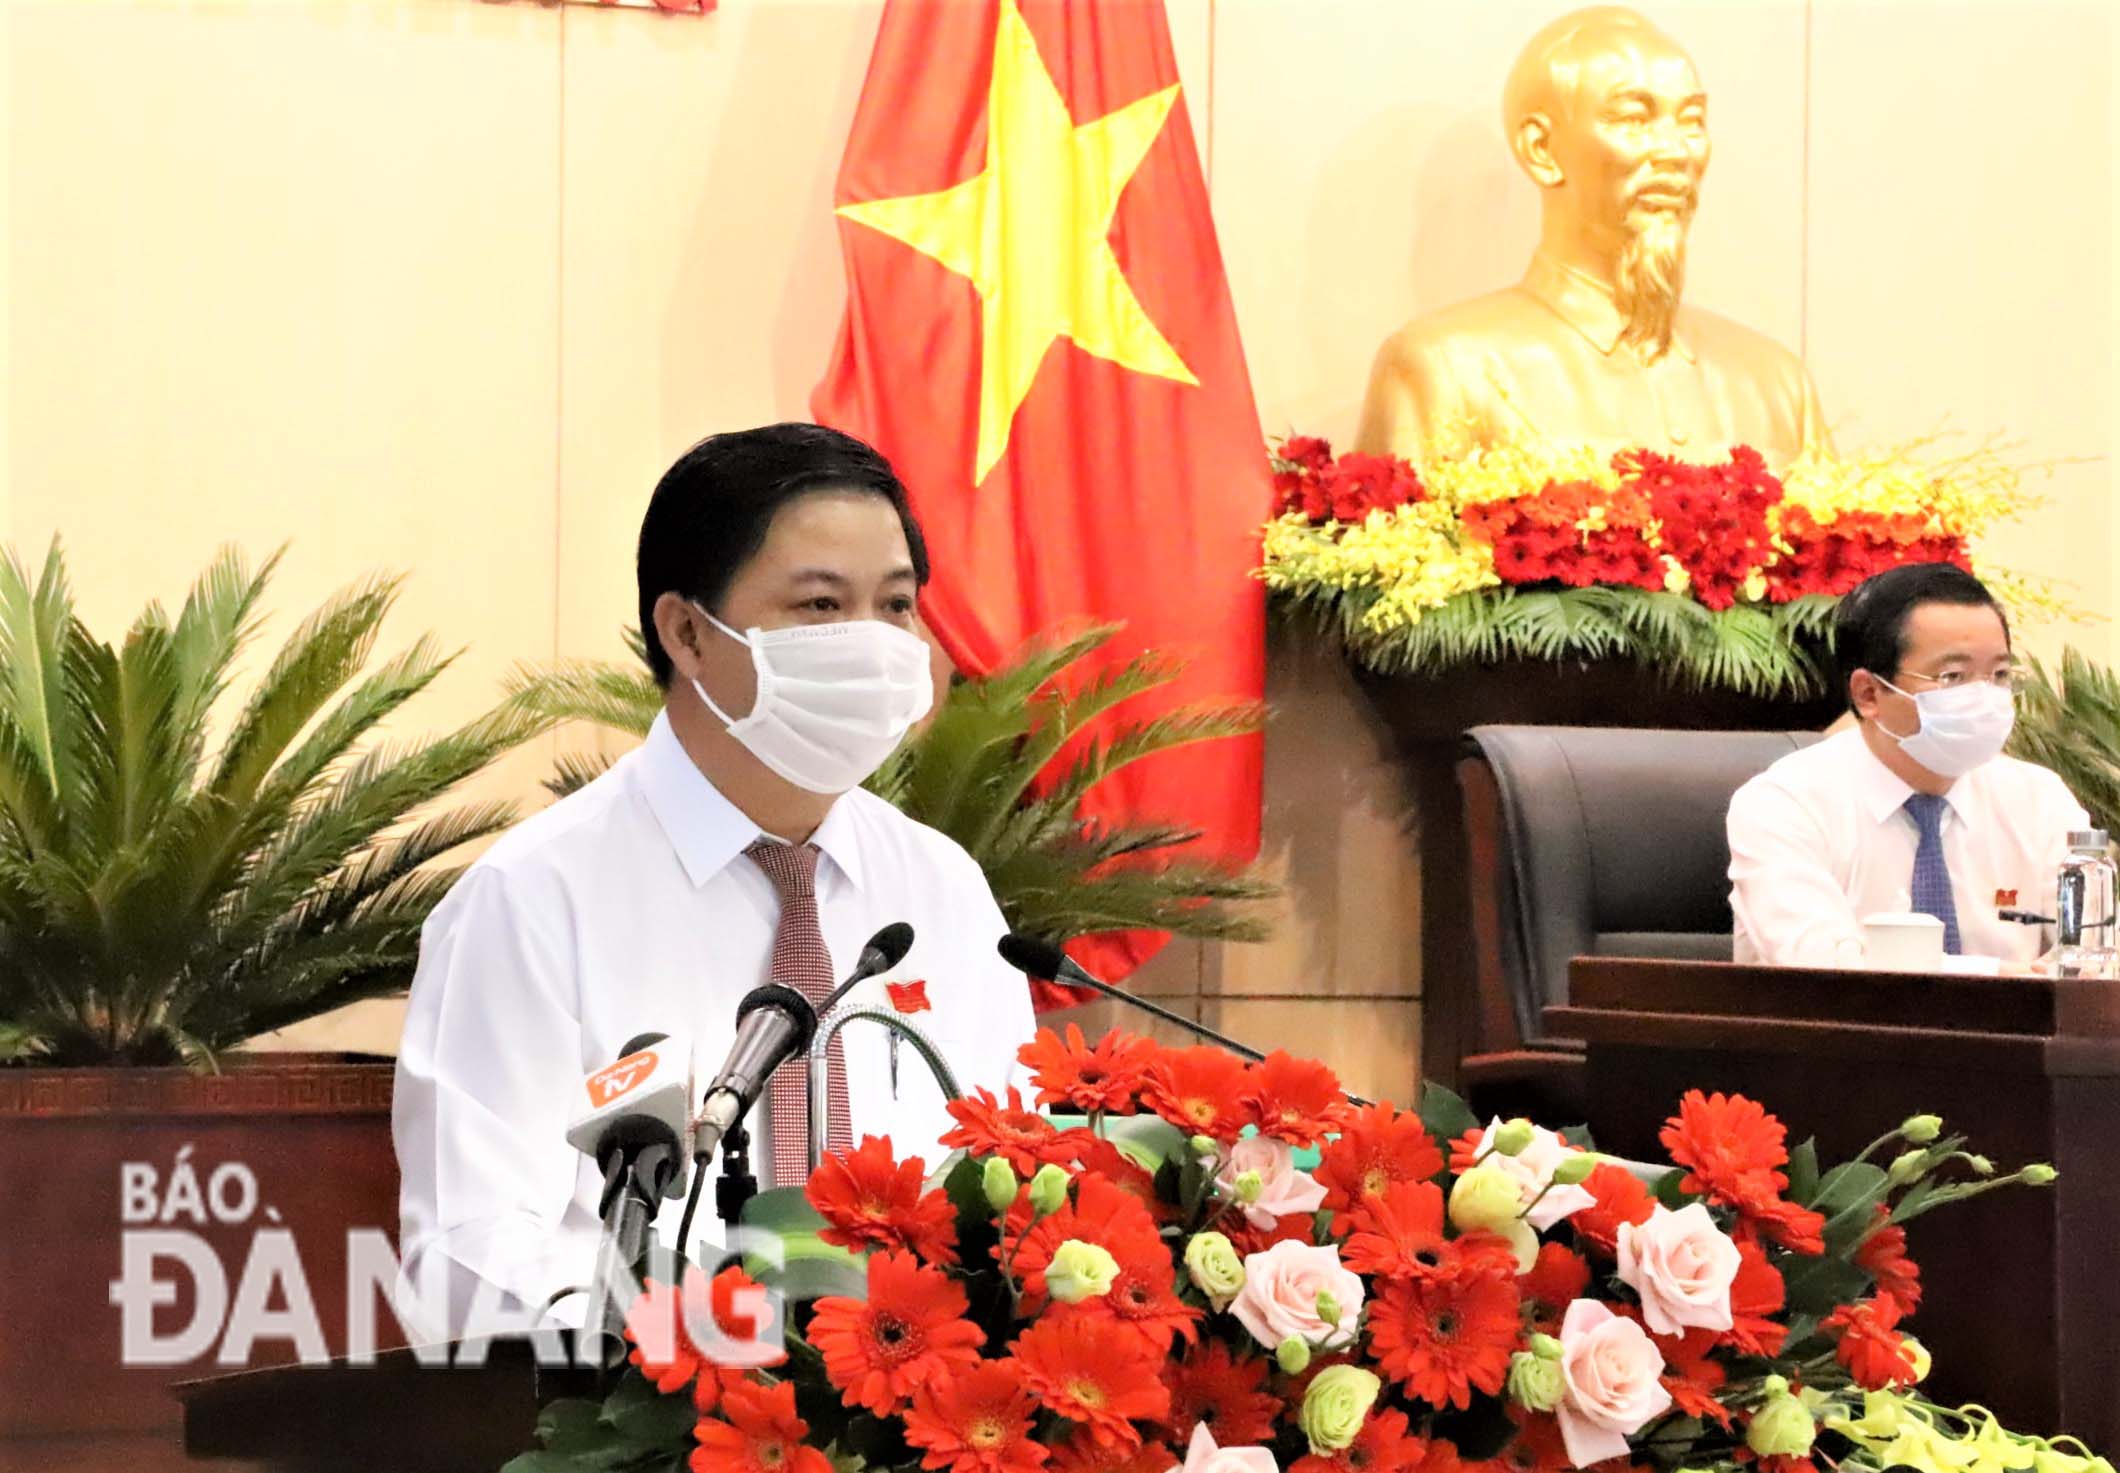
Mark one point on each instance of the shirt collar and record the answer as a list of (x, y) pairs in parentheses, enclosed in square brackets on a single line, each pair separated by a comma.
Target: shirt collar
[(706, 829), (1584, 303), (1884, 792)]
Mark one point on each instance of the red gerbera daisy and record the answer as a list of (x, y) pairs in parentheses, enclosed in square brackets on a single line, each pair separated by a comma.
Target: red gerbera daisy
[(661, 1325), (1092, 1372), (868, 1200), (1557, 1279), (1296, 1227), (1621, 1198), (1444, 1340), (976, 1421), (1721, 1139), (1071, 1072), (1763, 1211), (1465, 1150), (1382, 1446), (1883, 1255), (1082, 1453), (1143, 1298), (1873, 1351), (909, 1329), (1437, 1455), (1294, 1100), (987, 1127), (1101, 1212), (1375, 1148), (1757, 1295), (1199, 1090), (1691, 1376), (1398, 1234), (1536, 1446), (1212, 1385), (762, 1434)]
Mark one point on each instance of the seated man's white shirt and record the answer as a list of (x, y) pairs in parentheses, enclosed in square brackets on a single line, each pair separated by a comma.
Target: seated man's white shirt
[(626, 908), (1822, 838)]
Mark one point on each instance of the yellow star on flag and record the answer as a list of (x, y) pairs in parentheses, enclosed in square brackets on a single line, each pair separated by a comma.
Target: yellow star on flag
[(1030, 231)]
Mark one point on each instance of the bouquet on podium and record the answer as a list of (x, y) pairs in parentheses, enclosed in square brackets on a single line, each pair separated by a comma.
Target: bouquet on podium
[(1232, 1268)]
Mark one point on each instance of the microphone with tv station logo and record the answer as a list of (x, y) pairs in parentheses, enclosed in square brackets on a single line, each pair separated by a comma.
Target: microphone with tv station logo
[(632, 1118)]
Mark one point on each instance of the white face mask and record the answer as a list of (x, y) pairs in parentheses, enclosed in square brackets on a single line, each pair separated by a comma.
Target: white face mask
[(833, 700), (1962, 726)]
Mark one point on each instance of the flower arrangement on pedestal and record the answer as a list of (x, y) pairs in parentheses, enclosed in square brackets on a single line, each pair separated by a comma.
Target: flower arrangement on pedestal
[(1166, 1286), (1723, 572)]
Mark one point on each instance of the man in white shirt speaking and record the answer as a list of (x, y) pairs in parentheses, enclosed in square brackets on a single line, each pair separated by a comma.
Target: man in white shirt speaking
[(779, 570), (1914, 807)]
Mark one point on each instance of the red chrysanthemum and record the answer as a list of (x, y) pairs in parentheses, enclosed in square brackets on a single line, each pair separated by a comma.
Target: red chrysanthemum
[(1095, 1373), (1199, 1090), (1294, 1100), (1376, 1147), (1883, 1256), (1399, 1235), (1082, 1453), (868, 1200), (660, 1323), (1212, 1385), (910, 1329), (1874, 1352), (987, 1127), (1556, 1280), (976, 1421), (1443, 1341), (1757, 1295), (1069, 1071), (1691, 1376), (758, 1432), (1621, 1198), (1720, 1139), (1382, 1446)]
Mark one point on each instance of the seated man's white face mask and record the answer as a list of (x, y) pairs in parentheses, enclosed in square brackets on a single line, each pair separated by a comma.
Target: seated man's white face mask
[(834, 700), (1962, 727)]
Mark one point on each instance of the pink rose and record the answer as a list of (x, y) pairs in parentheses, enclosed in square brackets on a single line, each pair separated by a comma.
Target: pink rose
[(1610, 1367), (1533, 1169), (1283, 1189), (1280, 1296), (1202, 1455), (1682, 1265)]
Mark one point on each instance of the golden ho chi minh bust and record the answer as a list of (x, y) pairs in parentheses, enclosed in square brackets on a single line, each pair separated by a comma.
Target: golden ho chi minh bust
[(1608, 117)]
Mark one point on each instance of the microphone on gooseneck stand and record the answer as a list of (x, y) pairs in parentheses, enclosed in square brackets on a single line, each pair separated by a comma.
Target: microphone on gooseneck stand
[(886, 949), (1046, 961)]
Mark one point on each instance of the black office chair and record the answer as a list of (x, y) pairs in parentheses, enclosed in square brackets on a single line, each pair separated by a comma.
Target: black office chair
[(1589, 841)]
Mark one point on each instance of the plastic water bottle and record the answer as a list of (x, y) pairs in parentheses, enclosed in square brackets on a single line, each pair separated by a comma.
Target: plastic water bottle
[(2083, 908)]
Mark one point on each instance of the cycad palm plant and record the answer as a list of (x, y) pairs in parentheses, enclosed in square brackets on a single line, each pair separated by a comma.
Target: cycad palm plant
[(159, 902), (974, 772), (2073, 729)]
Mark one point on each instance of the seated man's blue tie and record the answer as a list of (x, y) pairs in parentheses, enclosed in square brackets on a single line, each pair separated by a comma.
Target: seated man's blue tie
[(1932, 880)]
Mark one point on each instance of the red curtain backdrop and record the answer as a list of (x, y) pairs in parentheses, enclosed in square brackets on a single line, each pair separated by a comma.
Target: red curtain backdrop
[(1121, 492)]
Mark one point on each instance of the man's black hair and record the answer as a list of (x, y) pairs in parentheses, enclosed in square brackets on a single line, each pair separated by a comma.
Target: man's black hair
[(711, 511), (1870, 627)]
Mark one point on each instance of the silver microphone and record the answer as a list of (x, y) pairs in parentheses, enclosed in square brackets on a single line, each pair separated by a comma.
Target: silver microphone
[(773, 1024)]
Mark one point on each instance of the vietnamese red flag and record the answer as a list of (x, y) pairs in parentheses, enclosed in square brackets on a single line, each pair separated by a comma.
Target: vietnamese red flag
[(1039, 335)]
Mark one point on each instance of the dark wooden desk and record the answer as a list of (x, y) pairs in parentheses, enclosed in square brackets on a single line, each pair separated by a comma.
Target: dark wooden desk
[(2022, 1306)]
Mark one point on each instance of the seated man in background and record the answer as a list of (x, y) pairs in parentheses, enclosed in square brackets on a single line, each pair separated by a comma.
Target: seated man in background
[(1914, 807)]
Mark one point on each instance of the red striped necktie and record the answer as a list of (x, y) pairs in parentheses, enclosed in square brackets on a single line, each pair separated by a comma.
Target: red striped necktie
[(801, 961)]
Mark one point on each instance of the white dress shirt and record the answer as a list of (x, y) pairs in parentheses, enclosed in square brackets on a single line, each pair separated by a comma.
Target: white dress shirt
[(1822, 838), (629, 907)]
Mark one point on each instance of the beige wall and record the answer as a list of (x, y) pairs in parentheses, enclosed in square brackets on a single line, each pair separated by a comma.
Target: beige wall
[(442, 285)]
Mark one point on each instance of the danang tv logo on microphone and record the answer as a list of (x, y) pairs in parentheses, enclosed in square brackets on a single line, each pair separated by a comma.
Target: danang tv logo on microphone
[(616, 1081)]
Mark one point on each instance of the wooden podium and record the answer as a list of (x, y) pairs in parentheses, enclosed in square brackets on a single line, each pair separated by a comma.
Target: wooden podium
[(2022, 1287), (396, 1413)]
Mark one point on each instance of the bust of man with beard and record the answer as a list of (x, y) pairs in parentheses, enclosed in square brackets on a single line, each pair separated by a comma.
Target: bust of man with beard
[(1608, 117)]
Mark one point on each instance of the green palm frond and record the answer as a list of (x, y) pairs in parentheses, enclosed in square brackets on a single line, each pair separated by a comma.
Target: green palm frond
[(1772, 653), (2072, 727), (156, 905), (1002, 768)]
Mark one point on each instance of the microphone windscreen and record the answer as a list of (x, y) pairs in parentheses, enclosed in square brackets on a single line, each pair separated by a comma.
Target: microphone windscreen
[(640, 1041), (787, 1000), (892, 943), (1033, 954)]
